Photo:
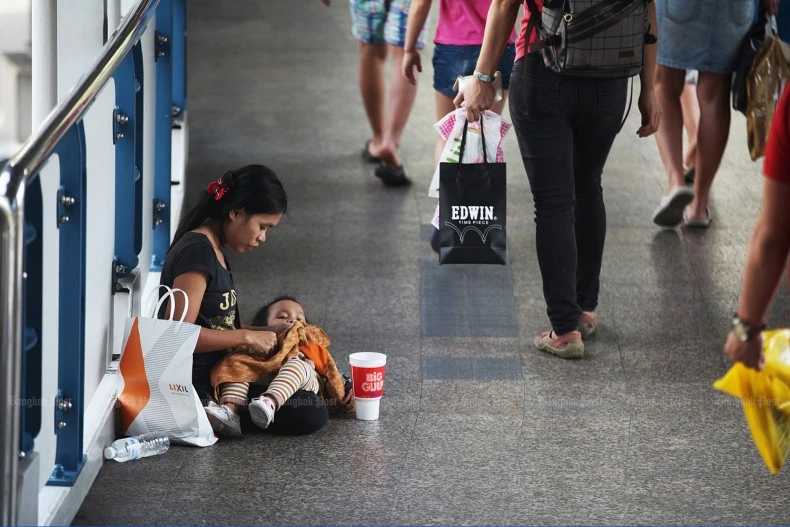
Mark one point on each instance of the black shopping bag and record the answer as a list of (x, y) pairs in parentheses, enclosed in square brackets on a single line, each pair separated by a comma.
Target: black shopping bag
[(472, 210)]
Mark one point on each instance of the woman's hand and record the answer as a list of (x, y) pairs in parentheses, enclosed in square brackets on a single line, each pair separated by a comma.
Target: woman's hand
[(478, 96), (769, 7), (750, 352), (261, 343), (411, 60), (651, 113)]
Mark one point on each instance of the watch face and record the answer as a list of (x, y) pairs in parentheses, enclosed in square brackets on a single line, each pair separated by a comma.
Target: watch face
[(740, 332)]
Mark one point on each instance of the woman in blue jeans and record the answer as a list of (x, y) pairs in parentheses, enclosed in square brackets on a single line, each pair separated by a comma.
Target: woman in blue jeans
[(565, 127)]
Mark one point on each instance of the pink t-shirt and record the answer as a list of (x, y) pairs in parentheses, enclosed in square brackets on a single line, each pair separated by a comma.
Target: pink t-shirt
[(463, 22)]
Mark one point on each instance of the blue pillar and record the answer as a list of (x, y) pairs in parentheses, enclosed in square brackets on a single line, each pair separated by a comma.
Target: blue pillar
[(30, 424), (163, 138), (71, 218), (127, 136)]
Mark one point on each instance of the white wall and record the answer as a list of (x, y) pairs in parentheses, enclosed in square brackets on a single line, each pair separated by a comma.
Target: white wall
[(14, 37)]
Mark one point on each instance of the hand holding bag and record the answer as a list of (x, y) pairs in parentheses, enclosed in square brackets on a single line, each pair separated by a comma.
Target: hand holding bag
[(155, 392), (473, 206)]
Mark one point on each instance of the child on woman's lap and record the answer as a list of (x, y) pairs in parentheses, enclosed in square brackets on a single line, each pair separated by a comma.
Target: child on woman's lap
[(301, 362)]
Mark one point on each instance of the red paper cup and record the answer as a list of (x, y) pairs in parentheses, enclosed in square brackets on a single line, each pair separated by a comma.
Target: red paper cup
[(367, 374)]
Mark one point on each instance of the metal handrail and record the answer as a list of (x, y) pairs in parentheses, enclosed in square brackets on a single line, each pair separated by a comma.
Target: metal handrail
[(18, 171)]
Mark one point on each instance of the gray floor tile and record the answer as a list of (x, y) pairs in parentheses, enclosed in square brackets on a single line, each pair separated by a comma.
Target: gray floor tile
[(447, 368), (475, 397), (472, 347)]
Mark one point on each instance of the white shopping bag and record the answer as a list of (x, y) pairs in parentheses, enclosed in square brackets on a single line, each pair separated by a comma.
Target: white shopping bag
[(155, 391)]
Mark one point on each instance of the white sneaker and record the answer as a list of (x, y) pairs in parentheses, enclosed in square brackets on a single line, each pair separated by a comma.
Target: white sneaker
[(262, 411), (224, 421)]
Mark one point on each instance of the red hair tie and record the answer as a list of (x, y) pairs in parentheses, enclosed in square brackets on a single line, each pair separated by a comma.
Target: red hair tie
[(216, 188)]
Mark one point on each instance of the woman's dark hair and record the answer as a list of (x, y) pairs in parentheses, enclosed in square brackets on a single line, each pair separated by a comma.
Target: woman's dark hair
[(262, 316), (253, 188)]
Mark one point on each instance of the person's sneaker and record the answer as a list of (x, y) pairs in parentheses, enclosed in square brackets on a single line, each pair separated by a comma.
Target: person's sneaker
[(262, 411), (224, 421), (568, 346), (588, 321)]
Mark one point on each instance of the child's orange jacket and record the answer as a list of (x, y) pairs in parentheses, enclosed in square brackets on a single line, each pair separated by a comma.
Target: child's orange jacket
[(308, 340)]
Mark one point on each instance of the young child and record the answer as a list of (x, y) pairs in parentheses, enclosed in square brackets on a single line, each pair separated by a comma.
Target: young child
[(301, 362)]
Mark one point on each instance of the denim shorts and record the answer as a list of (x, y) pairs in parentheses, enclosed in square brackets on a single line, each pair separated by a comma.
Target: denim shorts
[(702, 35), (451, 61), (380, 21)]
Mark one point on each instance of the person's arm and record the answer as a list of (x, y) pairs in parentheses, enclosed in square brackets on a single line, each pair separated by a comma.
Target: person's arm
[(770, 243), (194, 284), (648, 107), (767, 258), (418, 15), (479, 96)]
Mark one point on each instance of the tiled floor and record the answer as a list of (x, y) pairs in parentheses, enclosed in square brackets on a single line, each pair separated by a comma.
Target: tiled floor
[(477, 427)]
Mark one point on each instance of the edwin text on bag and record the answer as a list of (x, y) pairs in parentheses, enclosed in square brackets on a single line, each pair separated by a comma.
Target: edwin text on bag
[(473, 206)]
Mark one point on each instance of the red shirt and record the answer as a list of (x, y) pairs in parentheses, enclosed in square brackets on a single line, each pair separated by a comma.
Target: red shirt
[(521, 43), (777, 150)]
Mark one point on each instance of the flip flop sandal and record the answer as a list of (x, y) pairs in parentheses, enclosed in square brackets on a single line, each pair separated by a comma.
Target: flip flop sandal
[(703, 223), (670, 211), (367, 157), (392, 176)]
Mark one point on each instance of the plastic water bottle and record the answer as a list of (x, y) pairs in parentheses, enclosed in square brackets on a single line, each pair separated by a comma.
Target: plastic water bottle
[(136, 447)]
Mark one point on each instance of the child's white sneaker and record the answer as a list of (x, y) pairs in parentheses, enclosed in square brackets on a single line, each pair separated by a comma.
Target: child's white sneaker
[(224, 421), (262, 411)]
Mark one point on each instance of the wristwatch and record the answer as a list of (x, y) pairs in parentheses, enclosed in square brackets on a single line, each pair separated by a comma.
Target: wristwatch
[(483, 77), (744, 331)]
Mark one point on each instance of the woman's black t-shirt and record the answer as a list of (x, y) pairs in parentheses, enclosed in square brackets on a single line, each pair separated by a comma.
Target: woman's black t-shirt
[(218, 310)]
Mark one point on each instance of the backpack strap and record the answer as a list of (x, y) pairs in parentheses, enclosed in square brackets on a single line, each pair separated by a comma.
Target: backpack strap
[(535, 24)]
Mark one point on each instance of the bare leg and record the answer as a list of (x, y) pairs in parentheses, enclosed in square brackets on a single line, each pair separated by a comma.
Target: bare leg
[(714, 130), (371, 85), (669, 85), (688, 101), (402, 94)]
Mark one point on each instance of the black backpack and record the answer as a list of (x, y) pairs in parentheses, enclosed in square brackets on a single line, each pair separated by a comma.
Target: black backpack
[(591, 38)]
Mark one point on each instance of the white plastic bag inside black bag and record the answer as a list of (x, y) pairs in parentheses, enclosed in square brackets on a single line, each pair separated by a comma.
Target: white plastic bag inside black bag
[(473, 210)]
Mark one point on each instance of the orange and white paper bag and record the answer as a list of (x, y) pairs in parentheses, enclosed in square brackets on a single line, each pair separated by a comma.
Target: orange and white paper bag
[(155, 391)]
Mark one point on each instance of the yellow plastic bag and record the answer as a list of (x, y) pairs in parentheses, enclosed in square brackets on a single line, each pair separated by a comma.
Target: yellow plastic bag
[(765, 396)]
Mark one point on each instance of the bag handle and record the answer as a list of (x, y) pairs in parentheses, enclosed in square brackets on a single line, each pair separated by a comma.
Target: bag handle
[(154, 302), (463, 142)]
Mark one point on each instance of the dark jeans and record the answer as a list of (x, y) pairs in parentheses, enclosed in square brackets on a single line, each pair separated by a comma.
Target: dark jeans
[(565, 128), (303, 413)]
